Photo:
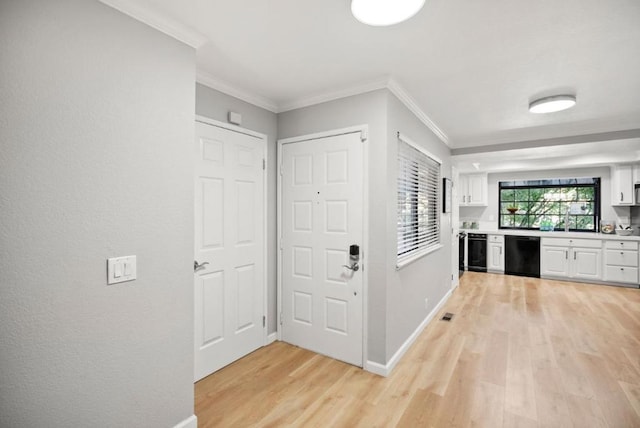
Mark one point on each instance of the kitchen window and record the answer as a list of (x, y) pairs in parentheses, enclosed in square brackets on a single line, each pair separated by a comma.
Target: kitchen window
[(418, 202), (530, 204)]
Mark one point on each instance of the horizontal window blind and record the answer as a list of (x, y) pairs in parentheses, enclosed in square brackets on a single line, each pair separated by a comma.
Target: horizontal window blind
[(418, 202)]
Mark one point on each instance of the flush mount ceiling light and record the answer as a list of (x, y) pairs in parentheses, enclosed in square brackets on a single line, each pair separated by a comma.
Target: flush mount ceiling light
[(380, 13), (552, 104)]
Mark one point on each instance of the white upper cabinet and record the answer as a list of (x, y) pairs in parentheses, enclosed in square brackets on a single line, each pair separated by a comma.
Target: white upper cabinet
[(622, 177), (462, 189), (472, 190)]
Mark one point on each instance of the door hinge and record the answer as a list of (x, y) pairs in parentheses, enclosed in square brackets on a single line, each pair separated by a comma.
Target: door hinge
[(264, 164), (280, 318), (363, 136), (264, 321)]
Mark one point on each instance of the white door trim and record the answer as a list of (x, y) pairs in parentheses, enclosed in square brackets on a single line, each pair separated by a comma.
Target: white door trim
[(231, 127), (265, 142), (364, 131), (455, 229)]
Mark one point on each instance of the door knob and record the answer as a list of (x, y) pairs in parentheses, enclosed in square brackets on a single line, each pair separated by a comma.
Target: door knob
[(354, 267), (197, 265), (354, 258)]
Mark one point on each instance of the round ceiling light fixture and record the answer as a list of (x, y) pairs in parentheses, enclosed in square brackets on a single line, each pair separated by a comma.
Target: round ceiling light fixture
[(552, 104), (381, 13)]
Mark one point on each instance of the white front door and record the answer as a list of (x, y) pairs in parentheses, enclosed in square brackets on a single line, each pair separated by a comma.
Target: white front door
[(229, 246), (321, 188)]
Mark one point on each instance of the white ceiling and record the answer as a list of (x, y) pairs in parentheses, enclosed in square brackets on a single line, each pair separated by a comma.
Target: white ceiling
[(472, 67)]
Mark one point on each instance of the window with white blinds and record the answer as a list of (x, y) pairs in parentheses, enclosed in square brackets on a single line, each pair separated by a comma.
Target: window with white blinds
[(418, 201)]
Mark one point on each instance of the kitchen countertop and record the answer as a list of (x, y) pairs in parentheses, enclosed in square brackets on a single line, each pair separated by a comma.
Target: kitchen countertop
[(555, 234)]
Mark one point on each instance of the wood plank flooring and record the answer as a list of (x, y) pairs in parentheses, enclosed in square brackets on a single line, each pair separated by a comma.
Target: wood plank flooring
[(519, 352)]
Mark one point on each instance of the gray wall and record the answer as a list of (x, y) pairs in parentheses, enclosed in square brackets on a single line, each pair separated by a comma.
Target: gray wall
[(369, 109), (430, 276), (488, 215), (216, 105), (96, 124)]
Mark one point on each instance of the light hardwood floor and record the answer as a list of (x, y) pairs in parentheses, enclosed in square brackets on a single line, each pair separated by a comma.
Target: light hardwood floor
[(520, 352)]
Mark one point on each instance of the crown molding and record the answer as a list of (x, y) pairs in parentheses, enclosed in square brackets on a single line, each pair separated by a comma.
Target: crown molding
[(394, 87), (409, 102), (160, 22), (207, 79), (334, 95), (384, 83)]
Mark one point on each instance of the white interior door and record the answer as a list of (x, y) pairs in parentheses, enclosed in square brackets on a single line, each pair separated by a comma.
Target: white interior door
[(229, 246), (321, 188)]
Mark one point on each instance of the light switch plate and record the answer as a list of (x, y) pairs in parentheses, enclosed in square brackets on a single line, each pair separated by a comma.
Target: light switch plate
[(121, 269)]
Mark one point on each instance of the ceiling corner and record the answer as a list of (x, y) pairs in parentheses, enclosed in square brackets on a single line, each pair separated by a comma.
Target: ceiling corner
[(207, 79), (334, 95)]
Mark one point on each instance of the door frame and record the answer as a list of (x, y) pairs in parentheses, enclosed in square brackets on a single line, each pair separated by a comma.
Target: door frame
[(364, 138), (265, 139), (455, 229)]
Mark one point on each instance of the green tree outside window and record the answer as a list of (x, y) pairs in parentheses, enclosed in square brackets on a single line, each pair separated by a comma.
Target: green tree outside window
[(526, 204)]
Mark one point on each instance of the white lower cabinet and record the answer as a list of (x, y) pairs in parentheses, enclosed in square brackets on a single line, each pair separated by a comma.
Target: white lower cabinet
[(495, 253), (596, 260), (586, 263), (621, 262), (554, 260), (571, 258)]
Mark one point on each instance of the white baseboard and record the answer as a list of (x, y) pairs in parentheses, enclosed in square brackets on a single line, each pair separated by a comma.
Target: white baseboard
[(271, 338), (376, 368), (190, 422), (386, 369)]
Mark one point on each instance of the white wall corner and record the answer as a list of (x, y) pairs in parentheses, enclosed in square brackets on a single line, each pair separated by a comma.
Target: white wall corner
[(162, 23), (386, 369), (213, 82), (271, 338), (410, 103), (190, 422)]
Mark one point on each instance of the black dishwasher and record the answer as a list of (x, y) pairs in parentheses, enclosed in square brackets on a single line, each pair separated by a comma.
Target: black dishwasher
[(522, 256)]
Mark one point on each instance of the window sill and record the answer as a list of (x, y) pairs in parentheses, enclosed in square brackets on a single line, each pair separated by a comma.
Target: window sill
[(418, 256)]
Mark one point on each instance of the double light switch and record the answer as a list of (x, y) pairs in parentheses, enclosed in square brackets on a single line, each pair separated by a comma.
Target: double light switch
[(121, 269)]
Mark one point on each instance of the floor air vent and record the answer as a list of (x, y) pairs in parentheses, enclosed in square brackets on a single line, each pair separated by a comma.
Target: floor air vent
[(447, 316)]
